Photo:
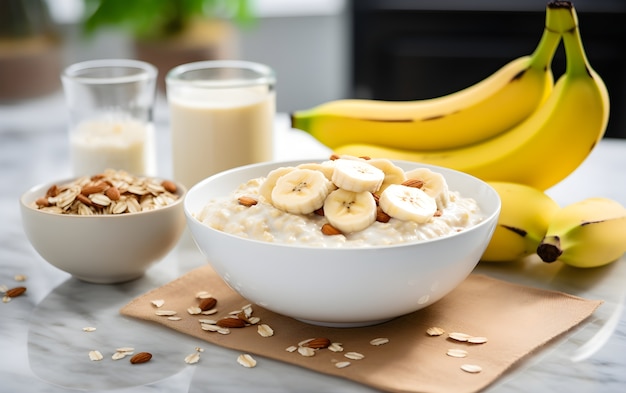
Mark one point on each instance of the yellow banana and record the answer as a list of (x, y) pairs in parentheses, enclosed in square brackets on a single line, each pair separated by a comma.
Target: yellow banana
[(471, 115), (548, 145), (523, 222), (588, 233)]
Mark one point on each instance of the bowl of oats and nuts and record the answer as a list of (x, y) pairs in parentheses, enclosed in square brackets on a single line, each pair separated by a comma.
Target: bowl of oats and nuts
[(345, 241), (106, 228)]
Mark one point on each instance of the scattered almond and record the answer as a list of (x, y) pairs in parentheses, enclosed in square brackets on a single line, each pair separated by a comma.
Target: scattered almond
[(169, 186), (15, 292), (330, 230), (318, 343), (207, 303), (416, 183), (141, 357), (381, 216), (230, 322), (247, 201)]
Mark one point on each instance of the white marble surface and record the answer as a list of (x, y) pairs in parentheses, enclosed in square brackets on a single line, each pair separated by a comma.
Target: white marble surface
[(45, 350)]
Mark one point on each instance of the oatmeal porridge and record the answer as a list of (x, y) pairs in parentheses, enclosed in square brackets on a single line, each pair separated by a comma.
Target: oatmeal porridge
[(343, 202)]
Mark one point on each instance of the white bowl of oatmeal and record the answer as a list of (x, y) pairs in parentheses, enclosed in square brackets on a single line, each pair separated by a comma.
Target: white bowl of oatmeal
[(294, 265), (114, 236)]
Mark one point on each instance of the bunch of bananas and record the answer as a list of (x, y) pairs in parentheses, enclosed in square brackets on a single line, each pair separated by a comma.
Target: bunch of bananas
[(518, 130), (509, 127)]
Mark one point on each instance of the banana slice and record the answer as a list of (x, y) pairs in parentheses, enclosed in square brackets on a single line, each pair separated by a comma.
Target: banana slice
[(350, 211), (300, 191), (270, 181), (435, 185), (326, 167), (357, 175), (407, 203), (393, 173)]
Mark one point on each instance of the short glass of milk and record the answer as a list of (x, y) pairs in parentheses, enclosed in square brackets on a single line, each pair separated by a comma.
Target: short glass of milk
[(111, 105), (221, 116)]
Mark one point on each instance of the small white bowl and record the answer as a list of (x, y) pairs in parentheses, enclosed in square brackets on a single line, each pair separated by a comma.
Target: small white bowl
[(102, 249), (341, 287)]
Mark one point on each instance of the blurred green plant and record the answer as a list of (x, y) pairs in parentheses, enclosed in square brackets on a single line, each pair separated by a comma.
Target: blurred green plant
[(155, 19)]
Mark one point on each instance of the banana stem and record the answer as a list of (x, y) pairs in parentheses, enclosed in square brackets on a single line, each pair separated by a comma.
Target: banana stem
[(544, 53), (550, 249), (577, 62)]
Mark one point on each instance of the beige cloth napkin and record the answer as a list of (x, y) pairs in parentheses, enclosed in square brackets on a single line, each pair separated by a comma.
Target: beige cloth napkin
[(515, 319)]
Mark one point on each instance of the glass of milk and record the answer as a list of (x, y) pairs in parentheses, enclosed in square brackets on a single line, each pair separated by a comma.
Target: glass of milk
[(111, 104), (221, 116)]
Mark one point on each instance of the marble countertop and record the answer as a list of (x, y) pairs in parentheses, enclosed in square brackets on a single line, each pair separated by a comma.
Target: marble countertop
[(45, 350)]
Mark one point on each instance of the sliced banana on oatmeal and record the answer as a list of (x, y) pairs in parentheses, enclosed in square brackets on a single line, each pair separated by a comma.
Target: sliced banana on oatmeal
[(393, 173), (350, 211), (268, 185), (300, 191), (357, 175), (435, 185), (407, 203)]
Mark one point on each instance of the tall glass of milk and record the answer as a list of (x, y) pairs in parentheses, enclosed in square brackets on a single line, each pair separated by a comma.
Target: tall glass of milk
[(111, 104), (221, 116)]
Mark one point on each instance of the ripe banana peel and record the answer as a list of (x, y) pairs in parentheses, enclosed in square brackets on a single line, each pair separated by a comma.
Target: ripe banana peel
[(472, 115), (524, 218), (585, 234), (549, 144)]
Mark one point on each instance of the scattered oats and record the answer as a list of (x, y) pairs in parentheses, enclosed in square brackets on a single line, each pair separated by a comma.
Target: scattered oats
[(158, 303), (194, 310), (223, 330), (165, 313), (210, 327), (457, 353), (20, 277), (89, 329), (234, 312), (254, 320), (120, 355), (335, 347), (354, 355), (435, 331), (471, 368), (306, 351), (203, 295), (127, 350), (95, 355), (291, 348), (192, 358), (477, 340), (173, 318), (304, 342), (209, 312), (6, 299), (264, 330), (379, 341), (459, 336), (342, 364), (199, 349), (3, 288), (246, 360), (208, 321), (247, 310)]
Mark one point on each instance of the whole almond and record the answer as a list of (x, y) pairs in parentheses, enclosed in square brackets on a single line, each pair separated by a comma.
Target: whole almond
[(330, 230), (15, 292), (169, 186), (230, 322), (94, 189), (247, 201), (42, 201), (113, 193), (417, 183), (84, 199), (381, 216), (52, 191), (141, 357), (207, 303), (318, 343)]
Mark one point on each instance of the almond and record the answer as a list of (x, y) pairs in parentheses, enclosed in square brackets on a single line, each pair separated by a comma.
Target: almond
[(94, 189), (417, 183), (52, 191), (84, 199), (15, 292), (141, 357), (169, 186), (230, 322), (381, 216), (42, 201), (330, 230), (113, 193), (246, 201), (207, 303), (318, 343)]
